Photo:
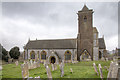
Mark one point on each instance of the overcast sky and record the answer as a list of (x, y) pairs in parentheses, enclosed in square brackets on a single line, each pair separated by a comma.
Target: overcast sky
[(54, 20)]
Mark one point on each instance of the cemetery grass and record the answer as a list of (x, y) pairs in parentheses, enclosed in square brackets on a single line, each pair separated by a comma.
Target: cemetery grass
[(80, 70)]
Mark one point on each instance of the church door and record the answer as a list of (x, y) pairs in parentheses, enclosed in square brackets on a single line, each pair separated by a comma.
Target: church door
[(100, 55), (53, 60)]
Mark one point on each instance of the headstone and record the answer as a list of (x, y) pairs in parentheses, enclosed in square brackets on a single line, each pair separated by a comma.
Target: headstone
[(45, 64), (34, 64), (95, 68), (100, 70), (118, 73), (10, 61), (16, 63), (48, 72), (103, 59), (31, 61), (110, 70), (105, 67), (113, 71), (71, 70), (52, 65), (55, 66), (106, 59), (62, 69), (38, 64), (24, 62), (25, 70), (37, 77)]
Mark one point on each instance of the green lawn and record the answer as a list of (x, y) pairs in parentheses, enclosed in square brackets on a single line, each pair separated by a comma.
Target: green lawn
[(80, 70)]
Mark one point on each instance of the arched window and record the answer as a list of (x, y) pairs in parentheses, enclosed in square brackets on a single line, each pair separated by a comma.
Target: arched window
[(32, 55), (85, 55), (43, 55), (67, 55), (85, 19)]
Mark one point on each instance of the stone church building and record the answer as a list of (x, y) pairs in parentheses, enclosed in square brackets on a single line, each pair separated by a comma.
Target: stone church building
[(87, 45)]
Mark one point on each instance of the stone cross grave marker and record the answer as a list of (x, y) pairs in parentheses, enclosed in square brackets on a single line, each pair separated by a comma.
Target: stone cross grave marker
[(95, 68), (100, 70), (62, 69), (48, 72), (25, 70), (16, 63)]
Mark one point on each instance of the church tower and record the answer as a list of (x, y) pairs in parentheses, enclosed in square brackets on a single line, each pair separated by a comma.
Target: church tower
[(85, 32)]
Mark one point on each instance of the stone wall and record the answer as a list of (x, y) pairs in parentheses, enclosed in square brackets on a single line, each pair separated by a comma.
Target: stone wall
[(60, 53), (95, 53)]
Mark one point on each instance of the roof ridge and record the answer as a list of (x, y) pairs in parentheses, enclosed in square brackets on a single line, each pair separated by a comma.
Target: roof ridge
[(54, 39)]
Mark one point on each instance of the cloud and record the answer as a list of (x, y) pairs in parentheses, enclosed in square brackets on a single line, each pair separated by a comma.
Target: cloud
[(51, 20)]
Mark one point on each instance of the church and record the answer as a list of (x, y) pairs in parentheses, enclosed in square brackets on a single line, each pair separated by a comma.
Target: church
[(87, 45)]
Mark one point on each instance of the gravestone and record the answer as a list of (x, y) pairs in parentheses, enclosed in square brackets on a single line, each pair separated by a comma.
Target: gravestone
[(118, 73), (52, 65), (114, 58), (113, 71), (10, 60), (31, 61), (106, 59), (55, 66), (16, 63), (100, 70), (45, 64), (110, 70), (25, 70), (62, 69), (34, 64), (71, 70), (95, 68), (103, 59), (38, 77), (105, 67), (48, 72), (38, 64)]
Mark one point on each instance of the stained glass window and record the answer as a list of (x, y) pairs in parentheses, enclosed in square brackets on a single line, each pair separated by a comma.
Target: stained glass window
[(32, 54), (43, 55), (67, 55)]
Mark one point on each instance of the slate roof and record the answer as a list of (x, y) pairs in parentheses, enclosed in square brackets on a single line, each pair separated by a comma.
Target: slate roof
[(101, 43), (52, 44)]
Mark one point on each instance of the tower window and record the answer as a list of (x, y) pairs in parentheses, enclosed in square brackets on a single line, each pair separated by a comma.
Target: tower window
[(85, 19)]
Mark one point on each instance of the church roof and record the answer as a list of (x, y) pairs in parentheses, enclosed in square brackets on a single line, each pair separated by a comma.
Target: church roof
[(101, 43), (52, 44)]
